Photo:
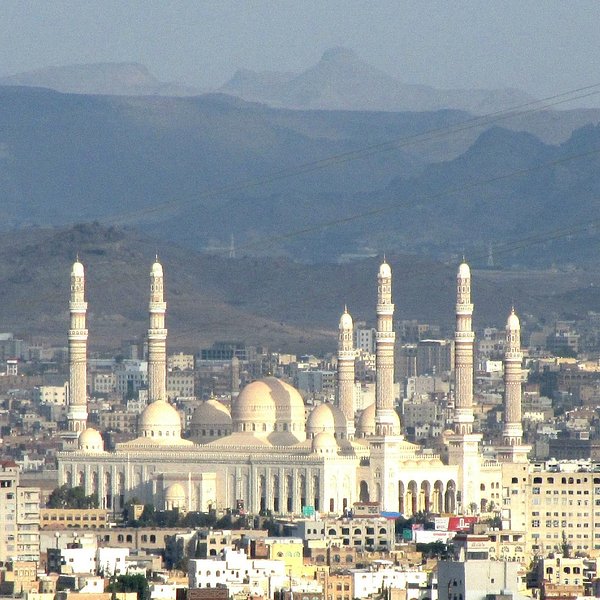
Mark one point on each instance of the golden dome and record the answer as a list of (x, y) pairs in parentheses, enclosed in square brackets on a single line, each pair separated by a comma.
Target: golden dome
[(90, 440), (160, 421)]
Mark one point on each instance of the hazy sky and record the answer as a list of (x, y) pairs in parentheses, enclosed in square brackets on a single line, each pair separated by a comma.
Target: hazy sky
[(543, 46)]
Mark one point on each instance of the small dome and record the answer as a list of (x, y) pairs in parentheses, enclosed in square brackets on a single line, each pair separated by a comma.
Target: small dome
[(160, 421), (346, 320), (384, 270), (324, 443), (157, 270), (366, 422), (77, 270), (212, 412), (175, 497), (90, 440), (320, 420), (464, 272), (211, 421), (175, 492), (513, 321), (326, 418)]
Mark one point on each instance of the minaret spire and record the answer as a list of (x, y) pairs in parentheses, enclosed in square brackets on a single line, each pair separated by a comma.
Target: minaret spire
[(157, 337), (386, 419), (513, 357), (78, 334), (463, 445), (346, 356), (463, 353)]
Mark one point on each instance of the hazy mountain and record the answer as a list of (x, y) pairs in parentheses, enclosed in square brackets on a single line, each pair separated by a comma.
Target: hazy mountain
[(120, 79), (277, 302), (342, 81), (196, 170)]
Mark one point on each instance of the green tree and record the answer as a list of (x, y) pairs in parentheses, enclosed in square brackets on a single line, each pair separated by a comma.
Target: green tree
[(130, 583), (68, 497)]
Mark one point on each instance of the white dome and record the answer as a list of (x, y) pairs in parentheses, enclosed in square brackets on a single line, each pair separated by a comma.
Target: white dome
[(385, 270), (77, 270), (175, 497), (157, 270), (268, 405), (212, 412), (513, 321), (320, 420), (324, 443), (211, 420), (346, 320), (464, 272), (254, 409), (366, 422), (160, 421), (175, 492), (90, 440), (326, 418)]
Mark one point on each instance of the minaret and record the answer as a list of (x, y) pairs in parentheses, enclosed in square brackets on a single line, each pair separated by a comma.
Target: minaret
[(463, 445), (513, 449), (157, 337), (463, 353), (345, 371), (513, 357), (78, 334), (386, 419)]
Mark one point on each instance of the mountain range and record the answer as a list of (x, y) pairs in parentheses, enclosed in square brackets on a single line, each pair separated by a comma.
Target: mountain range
[(340, 80), (272, 301), (198, 170)]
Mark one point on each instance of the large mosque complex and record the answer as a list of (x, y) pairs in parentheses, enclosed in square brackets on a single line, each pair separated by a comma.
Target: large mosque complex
[(266, 454)]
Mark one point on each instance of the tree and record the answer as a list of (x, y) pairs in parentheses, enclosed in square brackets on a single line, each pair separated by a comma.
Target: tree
[(68, 497), (130, 583)]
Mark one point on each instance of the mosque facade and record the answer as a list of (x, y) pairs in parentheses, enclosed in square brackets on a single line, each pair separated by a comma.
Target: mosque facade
[(265, 454)]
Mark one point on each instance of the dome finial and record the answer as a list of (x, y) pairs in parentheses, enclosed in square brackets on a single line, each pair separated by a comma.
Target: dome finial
[(345, 309)]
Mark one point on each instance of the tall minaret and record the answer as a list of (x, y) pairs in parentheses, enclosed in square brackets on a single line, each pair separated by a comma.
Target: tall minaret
[(345, 371), (463, 353), (463, 445), (78, 334), (157, 337), (386, 419), (513, 450), (513, 357)]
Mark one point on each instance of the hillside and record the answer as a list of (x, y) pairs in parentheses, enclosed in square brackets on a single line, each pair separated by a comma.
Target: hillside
[(275, 302)]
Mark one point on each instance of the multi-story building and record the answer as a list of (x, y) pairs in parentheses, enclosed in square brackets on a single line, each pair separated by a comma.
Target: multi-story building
[(19, 517), (131, 375), (180, 361), (180, 383), (51, 394), (368, 533)]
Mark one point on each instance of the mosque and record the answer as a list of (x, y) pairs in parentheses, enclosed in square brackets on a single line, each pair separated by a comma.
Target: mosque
[(265, 454)]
